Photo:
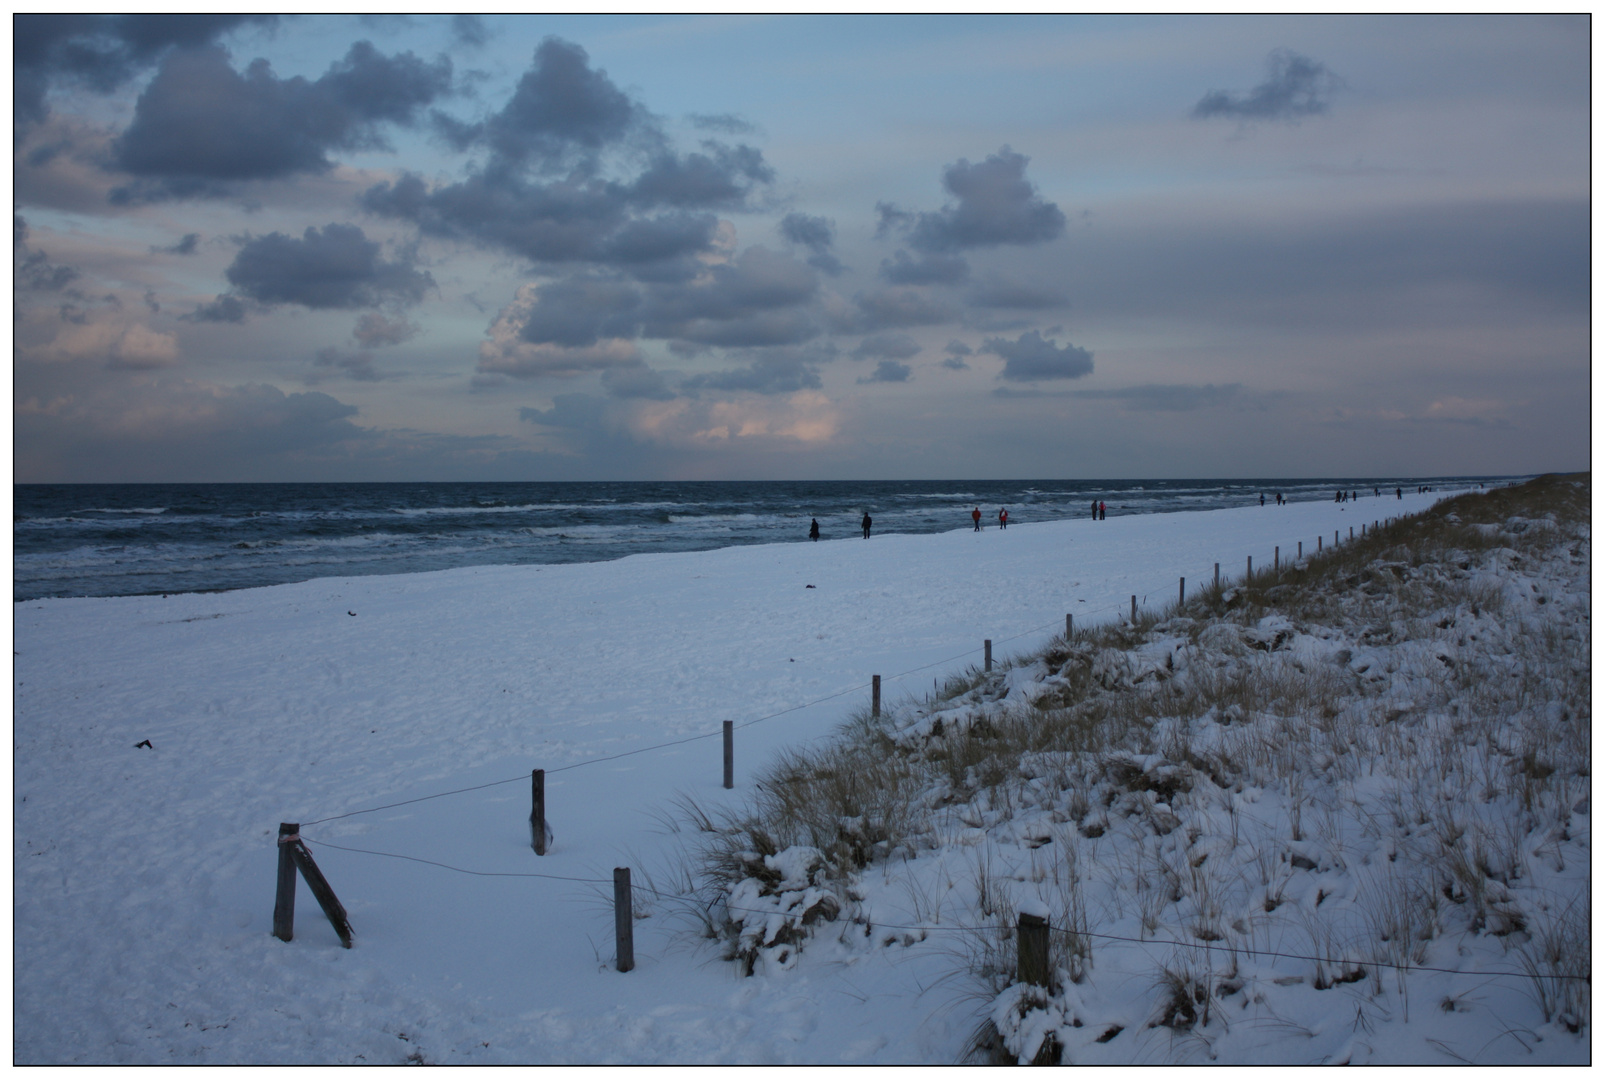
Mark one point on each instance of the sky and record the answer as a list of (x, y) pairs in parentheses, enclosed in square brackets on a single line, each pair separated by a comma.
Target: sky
[(398, 248)]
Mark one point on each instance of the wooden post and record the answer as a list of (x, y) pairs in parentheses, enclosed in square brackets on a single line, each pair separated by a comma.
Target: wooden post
[(1335, 538), (537, 811), (874, 695), (1134, 611), (1276, 559), (1351, 532), (321, 892), (987, 645), (284, 900), (1069, 625), (729, 755), (623, 919), (1181, 593), (1301, 549), (1250, 576), (1217, 575), (1033, 950), (1317, 545)]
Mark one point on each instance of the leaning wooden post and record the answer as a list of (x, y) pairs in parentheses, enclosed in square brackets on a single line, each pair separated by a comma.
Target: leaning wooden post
[(987, 645), (729, 754), (320, 887), (1033, 950), (1181, 593), (284, 900), (537, 811), (623, 919), (874, 695)]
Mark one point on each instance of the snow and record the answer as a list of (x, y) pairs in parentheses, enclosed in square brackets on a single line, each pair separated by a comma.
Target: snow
[(144, 877)]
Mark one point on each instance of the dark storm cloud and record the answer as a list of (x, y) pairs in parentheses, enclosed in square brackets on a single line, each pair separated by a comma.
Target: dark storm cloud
[(995, 204), (759, 298), (1032, 358), (338, 267), (1295, 86), (818, 235), (889, 346), (224, 309), (101, 52), (956, 352), (887, 371), (996, 292), (928, 269), (185, 246), (201, 125), (1165, 397), (720, 178)]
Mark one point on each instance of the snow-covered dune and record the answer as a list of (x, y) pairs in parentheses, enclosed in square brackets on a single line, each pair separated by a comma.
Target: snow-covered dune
[(144, 877)]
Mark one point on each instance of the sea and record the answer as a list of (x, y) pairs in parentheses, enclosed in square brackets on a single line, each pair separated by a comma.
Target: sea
[(134, 539)]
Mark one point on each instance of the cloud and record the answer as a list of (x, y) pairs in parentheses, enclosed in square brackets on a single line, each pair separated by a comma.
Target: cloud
[(1166, 397), (728, 123), (885, 308), (890, 346), (32, 269), (100, 52), (640, 382), (567, 350), (338, 267), (375, 329), (560, 107), (818, 235), (995, 205), (997, 292), (771, 371), (224, 309), (470, 31), (119, 346), (185, 246), (1295, 87), (887, 371), (201, 126), (1031, 358), (928, 269), (956, 352), (760, 297)]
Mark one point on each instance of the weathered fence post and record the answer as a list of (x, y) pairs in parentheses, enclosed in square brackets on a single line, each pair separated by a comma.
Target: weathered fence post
[(874, 695), (1301, 549), (1134, 611), (1181, 593), (987, 645), (1351, 532), (1250, 576), (1033, 950), (729, 754), (537, 811), (1217, 575), (623, 919), (1336, 539), (321, 892), (1069, 625), (1317, 545), (284, 899), (1276, 559)]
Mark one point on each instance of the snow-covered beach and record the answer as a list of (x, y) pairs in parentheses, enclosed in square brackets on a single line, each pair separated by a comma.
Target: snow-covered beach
[(144, 876)]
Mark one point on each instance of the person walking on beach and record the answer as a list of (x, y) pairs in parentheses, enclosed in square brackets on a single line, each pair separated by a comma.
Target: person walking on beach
[(866, 523), (1094, 512), (975, 516), (1398, 493), (1262, 498), (1003, 518), (1103, 510), (813, 530)]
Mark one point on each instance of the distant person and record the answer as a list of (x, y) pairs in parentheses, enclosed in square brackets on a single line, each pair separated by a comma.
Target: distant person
[(813, 530), (1262, 498), (1094, 511), (1003, 518), (1398, 493), (866, 523), (975, 516), (1103, 510), (1377, 492)]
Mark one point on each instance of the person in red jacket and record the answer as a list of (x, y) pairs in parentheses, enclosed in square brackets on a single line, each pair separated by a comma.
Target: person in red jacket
[(975, 516), (1003, 518)]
